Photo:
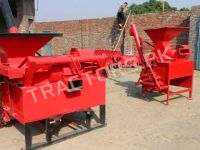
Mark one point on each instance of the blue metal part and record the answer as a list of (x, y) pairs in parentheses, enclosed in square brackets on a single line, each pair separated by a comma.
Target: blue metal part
[(197, 54), (46, 51)]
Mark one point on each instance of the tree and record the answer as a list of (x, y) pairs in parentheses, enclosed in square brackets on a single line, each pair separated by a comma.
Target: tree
[(153, 6), (184, 9)]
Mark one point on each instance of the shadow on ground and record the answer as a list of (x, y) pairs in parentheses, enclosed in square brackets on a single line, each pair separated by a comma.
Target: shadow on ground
[(70, 123), (135, 91)]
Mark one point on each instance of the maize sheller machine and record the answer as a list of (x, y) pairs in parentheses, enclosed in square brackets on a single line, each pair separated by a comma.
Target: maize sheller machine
[(43, 88), (164, 66), (40, 91)]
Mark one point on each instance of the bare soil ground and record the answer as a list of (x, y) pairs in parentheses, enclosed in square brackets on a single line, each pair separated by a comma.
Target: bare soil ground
[(132, 123)]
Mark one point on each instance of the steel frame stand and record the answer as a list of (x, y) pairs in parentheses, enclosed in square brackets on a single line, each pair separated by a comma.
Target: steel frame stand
[(48, 132)]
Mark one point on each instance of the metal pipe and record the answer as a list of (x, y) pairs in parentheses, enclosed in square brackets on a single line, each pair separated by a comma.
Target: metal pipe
[(65, 59), (133, 32), (8, 16)]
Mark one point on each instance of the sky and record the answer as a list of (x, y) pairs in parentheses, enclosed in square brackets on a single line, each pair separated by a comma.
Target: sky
[(59, 10)]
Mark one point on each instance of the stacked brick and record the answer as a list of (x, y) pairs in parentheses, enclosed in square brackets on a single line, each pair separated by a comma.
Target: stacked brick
[(101, 33)]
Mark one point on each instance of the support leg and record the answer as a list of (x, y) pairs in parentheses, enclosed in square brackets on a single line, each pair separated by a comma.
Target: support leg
[(143, 92), (88, 119), (103, 114), (1, 118), (28, 136), (48, 130), (168, 97), (190, 95)]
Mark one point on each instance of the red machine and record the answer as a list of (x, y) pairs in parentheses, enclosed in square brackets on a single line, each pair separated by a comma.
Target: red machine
[(117, 58), (114, 59), (43, 88), (164, 66)]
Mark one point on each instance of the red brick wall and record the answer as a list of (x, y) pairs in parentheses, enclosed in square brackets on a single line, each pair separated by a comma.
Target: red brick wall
[(101, 33)]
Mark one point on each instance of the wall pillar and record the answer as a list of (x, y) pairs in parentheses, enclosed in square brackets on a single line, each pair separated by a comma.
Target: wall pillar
[(194, 18)]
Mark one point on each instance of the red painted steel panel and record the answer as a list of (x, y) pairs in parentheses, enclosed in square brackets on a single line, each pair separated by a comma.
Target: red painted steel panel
[(28, 110), (181, 69), (165, 33), (22, 45)]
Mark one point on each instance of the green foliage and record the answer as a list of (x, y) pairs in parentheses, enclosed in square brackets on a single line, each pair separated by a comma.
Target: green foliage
[(153, 6), (184, 9)]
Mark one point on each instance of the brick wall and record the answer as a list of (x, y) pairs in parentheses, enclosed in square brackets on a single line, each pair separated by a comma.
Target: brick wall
[(156, 20), (91, 34), (195, 17), (101, 33)]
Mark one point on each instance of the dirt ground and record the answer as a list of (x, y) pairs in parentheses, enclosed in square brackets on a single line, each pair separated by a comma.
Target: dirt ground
[(132, 123)]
